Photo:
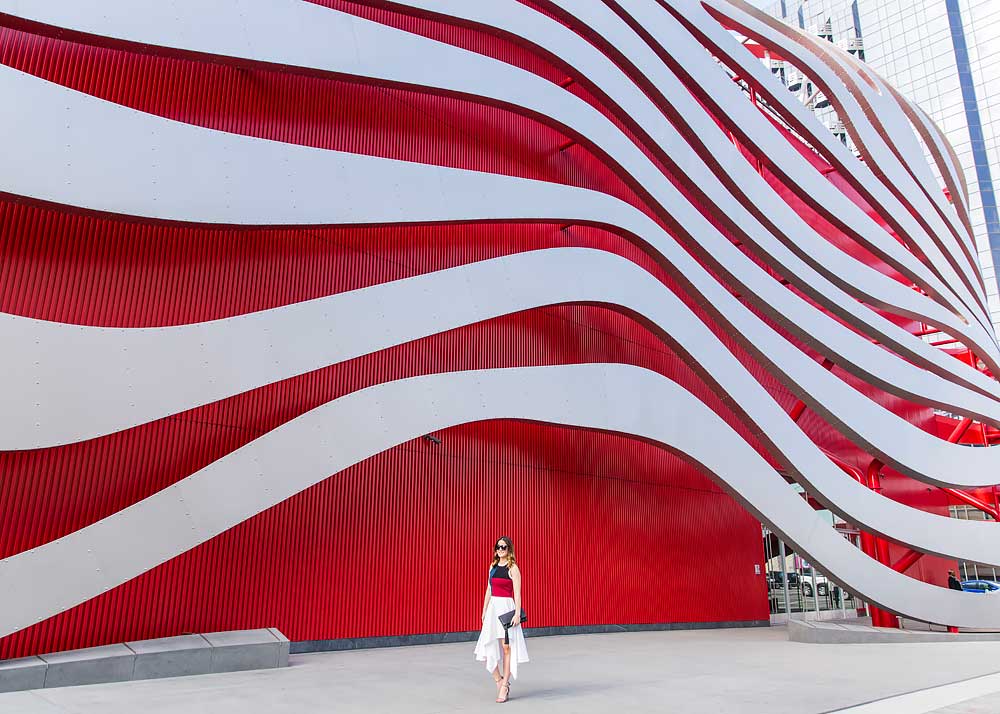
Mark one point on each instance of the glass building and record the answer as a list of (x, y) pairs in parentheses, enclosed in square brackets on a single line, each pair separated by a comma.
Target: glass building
[(942, 54)]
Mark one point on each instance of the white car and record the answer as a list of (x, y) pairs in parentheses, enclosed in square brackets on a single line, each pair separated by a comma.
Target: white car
[(806, 583)]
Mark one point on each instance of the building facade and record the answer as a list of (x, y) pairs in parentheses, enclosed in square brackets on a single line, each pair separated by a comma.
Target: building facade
[(941, 54), (304, 304)]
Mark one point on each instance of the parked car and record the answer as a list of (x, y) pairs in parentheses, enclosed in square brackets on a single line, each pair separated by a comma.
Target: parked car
[(775, 579), (980, 586), (806, 583)]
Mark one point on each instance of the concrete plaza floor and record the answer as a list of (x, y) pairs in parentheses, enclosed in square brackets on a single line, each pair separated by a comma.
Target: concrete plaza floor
[(979, 705), (748, 671)]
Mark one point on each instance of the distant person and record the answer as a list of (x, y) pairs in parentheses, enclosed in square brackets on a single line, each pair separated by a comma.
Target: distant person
[(503, 595), (953, 582)]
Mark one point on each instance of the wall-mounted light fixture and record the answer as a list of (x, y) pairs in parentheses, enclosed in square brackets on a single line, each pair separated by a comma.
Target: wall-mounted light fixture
[(433, 439)]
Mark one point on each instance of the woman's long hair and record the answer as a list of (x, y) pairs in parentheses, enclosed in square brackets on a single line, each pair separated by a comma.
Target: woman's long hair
[(511, 561)]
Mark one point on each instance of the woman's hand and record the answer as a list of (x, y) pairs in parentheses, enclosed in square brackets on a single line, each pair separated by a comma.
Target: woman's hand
[(516, 620)]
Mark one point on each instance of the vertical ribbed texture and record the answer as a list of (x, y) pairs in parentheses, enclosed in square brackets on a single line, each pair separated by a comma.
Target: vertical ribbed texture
[(339, 560), (586, 503)]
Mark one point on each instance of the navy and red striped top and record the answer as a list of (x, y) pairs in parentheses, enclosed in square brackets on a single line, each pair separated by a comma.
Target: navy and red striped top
[(500, 583)]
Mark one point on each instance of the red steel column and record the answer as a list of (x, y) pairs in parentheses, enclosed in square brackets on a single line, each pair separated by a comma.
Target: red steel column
[(871, 545), (880, 617)]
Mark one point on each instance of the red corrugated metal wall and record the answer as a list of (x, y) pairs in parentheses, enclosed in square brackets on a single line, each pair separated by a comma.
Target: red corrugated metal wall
[(607, 530), (411, 526)]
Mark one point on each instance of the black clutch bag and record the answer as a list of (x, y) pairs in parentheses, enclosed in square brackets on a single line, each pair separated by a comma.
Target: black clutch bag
[(505, 619), (508, 616)]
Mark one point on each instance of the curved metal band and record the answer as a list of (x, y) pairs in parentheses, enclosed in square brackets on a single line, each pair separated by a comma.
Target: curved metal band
[(54, 577)]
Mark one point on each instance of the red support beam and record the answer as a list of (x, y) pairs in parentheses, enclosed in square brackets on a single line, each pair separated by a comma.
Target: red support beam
[(800, 406), (943, 342), (871, 545), (973, 501), (873, 476), (880, 617), (908, 559), (868, 540), (956, 435), (959, 431)]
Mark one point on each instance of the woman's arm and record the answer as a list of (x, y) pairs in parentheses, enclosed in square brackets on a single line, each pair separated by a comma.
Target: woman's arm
[(486, 601), (515, 575)]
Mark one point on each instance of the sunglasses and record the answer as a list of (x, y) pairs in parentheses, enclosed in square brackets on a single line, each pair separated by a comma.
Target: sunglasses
[(501, 547)]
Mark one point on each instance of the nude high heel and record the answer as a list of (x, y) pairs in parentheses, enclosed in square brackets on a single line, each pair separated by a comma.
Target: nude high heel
[(505, 688)]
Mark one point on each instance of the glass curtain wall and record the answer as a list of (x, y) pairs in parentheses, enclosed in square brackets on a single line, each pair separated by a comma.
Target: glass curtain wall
[(797, 589)]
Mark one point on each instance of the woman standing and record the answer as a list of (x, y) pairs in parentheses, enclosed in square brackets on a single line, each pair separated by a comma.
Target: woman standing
[(503, 594)]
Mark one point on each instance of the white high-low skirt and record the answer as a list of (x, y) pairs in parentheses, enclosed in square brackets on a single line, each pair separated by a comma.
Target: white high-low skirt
[(489, 648)]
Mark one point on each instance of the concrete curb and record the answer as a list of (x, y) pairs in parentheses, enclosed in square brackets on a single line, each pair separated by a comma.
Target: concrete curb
[(148, 659), (171, 657), (22, 673), (110, 663), (833, 633), (359, 643)]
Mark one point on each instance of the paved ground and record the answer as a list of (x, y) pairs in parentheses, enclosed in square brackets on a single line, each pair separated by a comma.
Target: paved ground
[(719, 671), (979, 705)]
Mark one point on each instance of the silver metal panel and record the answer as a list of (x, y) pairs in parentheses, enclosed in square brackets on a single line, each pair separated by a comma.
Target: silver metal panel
[(852, 114), (455, 70)]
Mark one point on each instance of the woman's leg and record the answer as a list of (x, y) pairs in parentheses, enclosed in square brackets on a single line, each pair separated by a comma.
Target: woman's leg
[(504, 685)]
